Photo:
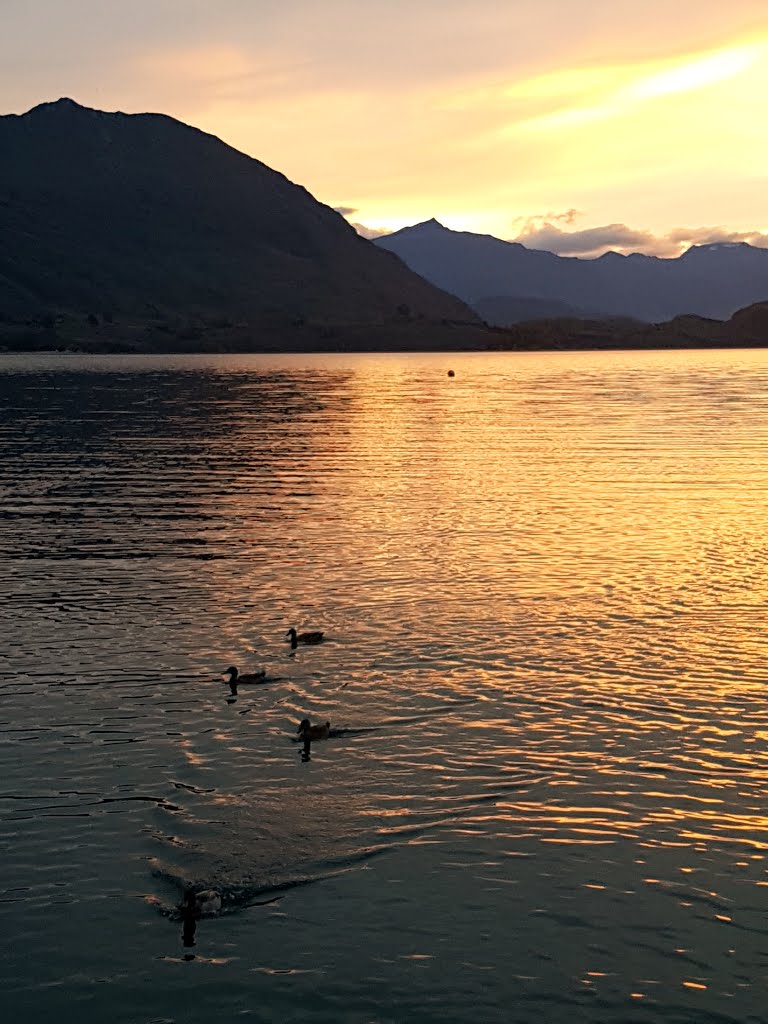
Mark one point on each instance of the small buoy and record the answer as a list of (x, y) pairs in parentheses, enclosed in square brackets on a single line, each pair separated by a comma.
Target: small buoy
[(451, 373)]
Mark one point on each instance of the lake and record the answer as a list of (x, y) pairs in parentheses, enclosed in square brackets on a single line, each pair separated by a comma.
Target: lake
[(543, 585)]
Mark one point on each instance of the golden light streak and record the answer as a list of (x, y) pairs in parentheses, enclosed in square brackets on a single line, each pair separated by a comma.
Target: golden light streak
[(619, 89), (714, 67)]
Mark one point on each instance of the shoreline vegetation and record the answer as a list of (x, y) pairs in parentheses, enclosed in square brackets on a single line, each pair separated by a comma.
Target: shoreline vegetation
[(106, 333)]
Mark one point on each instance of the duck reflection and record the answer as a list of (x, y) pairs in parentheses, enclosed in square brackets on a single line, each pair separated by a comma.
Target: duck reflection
[(308, 732), (198, 903), (188, 929), (189, 916), (194, 905)]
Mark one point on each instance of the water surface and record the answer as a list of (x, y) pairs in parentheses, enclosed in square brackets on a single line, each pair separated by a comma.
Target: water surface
[(543, 583)]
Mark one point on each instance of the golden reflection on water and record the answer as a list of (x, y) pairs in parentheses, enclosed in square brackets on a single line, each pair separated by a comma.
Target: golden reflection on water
[(543, 583)]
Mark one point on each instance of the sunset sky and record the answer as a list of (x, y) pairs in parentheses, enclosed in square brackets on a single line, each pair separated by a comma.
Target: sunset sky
[(572, 125)]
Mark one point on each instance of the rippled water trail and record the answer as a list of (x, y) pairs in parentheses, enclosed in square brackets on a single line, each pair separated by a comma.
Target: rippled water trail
[(543, 584)]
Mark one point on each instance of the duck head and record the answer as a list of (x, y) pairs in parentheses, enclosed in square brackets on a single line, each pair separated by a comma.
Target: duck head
[(304, 724)]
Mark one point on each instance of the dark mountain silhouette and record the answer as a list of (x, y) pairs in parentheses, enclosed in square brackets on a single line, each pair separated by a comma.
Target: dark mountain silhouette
[(135, 218), (708, 280), (137, 232), (747, 328), (509, 309)]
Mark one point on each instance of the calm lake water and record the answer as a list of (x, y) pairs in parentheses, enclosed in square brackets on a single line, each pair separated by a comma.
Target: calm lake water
[(543, 584)]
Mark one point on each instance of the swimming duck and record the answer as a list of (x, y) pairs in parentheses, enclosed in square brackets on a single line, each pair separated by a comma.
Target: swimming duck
[(309, 732), (304, 638), (199, 904), (249, 677)]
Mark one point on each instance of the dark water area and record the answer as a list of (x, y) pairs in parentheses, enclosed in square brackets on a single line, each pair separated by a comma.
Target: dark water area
[(543, 588)]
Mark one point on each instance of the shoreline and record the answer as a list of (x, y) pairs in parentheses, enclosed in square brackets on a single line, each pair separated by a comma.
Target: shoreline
[(173, 333)]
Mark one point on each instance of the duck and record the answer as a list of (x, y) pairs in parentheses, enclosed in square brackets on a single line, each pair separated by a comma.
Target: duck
[(248, 677), (202, 903), (315, 637), (309, 732)]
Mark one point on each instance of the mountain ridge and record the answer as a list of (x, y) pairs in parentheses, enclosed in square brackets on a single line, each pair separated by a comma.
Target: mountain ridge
[(120, 216), (712, 280)]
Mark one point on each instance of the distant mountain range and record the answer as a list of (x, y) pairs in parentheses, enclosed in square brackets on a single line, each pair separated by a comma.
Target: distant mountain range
[(505, 281), (135, 232), (138, 219), (747, 328)]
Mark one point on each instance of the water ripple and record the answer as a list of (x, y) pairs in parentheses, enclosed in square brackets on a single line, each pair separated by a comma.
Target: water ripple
[(542, 585)]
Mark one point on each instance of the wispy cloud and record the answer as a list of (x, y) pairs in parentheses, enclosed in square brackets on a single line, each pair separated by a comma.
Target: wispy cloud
[(367, 232), (348, 213), (544, 233), (534, 221), (683, 238)]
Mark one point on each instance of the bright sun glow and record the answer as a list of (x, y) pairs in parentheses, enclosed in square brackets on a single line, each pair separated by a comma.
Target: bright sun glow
[(610, 92), (715, 67)]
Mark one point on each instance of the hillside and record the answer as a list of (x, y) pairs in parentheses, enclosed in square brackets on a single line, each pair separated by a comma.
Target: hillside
[(137, 218), (708, 280), (747, 328)]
